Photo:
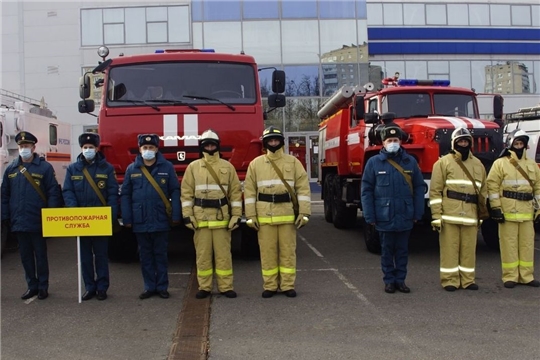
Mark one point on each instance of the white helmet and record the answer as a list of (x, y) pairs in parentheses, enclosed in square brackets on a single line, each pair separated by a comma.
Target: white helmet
[(461, 133), (517, 134), (209, 136)]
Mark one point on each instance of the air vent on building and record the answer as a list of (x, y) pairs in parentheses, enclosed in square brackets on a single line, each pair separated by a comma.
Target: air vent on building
[(52, 70), (51, 13)]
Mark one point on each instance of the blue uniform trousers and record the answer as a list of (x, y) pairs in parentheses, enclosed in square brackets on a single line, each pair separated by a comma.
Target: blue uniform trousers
[(153, 256), (394, 255), (33, 250), (95, 249)]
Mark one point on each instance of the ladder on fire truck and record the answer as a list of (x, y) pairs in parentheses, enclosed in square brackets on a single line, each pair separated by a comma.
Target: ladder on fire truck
[(8, 99)]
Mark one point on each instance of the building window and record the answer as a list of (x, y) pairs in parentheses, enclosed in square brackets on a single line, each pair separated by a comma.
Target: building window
[(521, 15), (436, 14), (135, 25)]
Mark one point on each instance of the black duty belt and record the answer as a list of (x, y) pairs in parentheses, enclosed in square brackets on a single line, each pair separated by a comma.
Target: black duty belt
[(275, 198), (468, 198), (518, 195), (211, 203)]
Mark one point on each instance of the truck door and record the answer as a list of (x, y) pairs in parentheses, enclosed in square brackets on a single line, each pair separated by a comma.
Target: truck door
[(3, 145), (305, 147)]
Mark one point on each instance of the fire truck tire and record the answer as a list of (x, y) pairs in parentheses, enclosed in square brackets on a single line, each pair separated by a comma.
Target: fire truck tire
[(490, 233), (328, 199), (371, 238), (123, 246), (343, 217), (249, 244)]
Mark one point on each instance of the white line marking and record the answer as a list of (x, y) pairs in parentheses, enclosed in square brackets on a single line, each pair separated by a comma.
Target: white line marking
[(30, 300), (180, 273)]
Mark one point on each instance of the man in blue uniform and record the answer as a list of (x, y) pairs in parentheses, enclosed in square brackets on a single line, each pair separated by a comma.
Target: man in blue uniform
[(392, 201), (29, 184), (150, 198), (90, 182)]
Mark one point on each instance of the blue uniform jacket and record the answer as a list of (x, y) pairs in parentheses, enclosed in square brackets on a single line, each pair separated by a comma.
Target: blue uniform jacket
[(387, 200), (142, 206), (20, 201), (79, 193)]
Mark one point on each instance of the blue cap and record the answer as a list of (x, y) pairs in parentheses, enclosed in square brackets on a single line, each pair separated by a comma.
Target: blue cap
[(148, 139), (89, 138), (24, 137)]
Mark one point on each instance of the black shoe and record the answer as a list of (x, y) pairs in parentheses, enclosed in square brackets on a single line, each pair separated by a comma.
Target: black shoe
[(509, 284), (28, 294), (403, 288), (88, 295), (146, 294), (472, 287), (390, 288), (534, 283), (43, 294), (231, 294), (450, 288), (164, 294), (290, 293), (202, 294), (101, 294), (268, 294)]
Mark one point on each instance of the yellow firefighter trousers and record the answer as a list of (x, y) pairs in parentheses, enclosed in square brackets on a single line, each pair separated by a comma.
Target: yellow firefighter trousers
[(516, 241), (213, 243), (457, 245), (278, 256)]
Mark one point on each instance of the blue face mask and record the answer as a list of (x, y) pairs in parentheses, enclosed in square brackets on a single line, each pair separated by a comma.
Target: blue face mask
[(392, 147), (25, 153), (148, 154), (89, 154)]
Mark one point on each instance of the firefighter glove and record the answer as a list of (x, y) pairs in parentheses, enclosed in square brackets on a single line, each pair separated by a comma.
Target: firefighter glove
[(190, 222), (436, 225), (234, 222), (497, 215), (301, 221), (252, 223)]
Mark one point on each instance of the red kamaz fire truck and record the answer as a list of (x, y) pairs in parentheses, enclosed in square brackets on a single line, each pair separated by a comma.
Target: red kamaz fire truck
[(178, 94), (427, 111)]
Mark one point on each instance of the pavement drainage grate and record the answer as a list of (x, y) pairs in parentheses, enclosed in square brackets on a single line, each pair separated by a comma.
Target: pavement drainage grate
[(190, 341)]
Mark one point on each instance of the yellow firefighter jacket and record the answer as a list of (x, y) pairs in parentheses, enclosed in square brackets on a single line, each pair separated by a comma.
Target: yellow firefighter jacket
[(261, 178), (198, 185), (504, 176), (446, 176)]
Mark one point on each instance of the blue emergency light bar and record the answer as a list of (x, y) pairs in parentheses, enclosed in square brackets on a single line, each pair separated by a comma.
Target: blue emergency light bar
[(161, 51), (416, 82)]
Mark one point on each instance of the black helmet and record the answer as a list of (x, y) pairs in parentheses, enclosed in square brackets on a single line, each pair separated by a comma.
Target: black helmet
[(461, 133), (391, 130), (517, 134), (273, 132)]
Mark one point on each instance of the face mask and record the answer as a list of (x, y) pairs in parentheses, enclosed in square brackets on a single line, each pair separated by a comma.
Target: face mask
[(273, 148), (89, 154), (25, 153), (392, 147), (463, 150), (148, 154), (519, 152)]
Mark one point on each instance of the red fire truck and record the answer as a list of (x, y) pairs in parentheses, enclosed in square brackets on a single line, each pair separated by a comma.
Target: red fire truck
[(178, 94), (427, 110)]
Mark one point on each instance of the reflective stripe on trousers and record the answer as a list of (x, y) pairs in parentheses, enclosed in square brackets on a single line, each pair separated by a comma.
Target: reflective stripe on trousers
[(209, 244), (278, 256)]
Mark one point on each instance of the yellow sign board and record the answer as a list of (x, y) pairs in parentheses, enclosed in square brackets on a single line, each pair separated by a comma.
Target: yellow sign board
[(81, 221)]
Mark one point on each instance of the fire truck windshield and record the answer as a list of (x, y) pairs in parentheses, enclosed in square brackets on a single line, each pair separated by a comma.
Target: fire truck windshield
[(182, 82), (406, 105)]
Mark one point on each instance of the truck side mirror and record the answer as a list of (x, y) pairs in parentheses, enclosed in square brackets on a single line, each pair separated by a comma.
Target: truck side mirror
[(85, 86), (359, 108), (278, 81), (276, 100), (498, 104), (86, 106), (371, 118)]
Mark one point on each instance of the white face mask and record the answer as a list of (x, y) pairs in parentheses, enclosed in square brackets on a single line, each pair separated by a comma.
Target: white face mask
[(148, 154), (25, 153), (89, 154), (392, 147)]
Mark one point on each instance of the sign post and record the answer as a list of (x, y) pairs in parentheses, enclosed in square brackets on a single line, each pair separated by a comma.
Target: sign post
[(82, 221)]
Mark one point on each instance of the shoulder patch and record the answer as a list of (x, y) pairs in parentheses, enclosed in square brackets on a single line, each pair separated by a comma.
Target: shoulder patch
[(10, 176), (102, 176), (136, 175), (76, 177), (39, 176)]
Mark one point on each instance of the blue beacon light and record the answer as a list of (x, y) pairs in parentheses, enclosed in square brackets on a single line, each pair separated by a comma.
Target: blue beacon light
[(416, 82)]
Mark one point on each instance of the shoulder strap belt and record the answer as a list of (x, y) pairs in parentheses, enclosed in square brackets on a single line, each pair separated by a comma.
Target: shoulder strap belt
[(94, 186), (157, 188), (521, 171), (214, 175), (407, 177), (289, 189), (28, 177), (460, 163)]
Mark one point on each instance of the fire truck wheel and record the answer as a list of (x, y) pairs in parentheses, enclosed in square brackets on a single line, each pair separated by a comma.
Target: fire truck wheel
[(343, 217), (327, 191), (123, 246), (371, 238), (249, 244), (490, 233)]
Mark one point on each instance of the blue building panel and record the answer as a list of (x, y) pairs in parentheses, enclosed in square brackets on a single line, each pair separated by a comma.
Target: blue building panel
[(416, 47), (445, 33)]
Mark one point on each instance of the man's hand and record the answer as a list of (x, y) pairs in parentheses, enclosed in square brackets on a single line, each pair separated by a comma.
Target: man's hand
[(253, 223), (190, 222), (234, 223), (436, 225), (497, 215), (301, 221)]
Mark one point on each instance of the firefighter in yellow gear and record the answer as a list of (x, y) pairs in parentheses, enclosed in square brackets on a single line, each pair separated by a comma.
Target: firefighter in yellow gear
[(212, 207), (514, 199), (269, 210), (453, 201)]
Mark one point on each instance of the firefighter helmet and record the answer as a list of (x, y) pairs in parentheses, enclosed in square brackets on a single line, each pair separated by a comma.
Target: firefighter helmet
[(517, 134), (273, 132), (391, 130), (461, 133), (209, 137)]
